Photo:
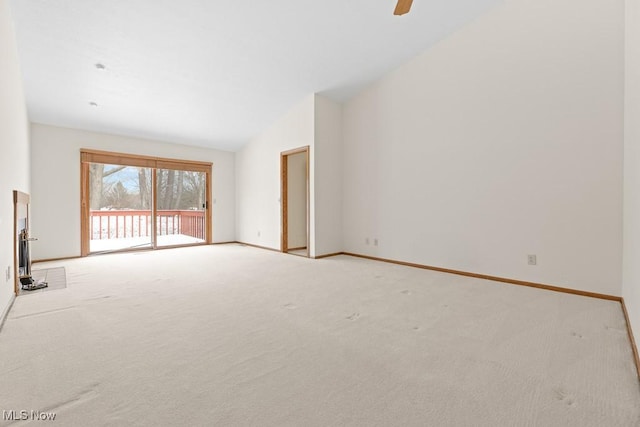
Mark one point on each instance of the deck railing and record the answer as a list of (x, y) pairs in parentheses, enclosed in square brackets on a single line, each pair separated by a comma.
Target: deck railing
[(120, 224)]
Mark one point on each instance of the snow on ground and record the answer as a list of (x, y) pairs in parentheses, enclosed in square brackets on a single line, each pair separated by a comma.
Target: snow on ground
[(140, 242)]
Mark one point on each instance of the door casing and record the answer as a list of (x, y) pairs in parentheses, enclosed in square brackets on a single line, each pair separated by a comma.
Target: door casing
[(284, 193)]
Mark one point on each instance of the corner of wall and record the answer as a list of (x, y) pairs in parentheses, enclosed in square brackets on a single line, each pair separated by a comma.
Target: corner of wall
[(328, 175), (258, 216), (631, 234)]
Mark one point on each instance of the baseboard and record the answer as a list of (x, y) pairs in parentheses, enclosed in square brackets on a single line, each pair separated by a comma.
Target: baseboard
[(5, 313), (292, 249), (427, 267), (634, 346), (124, 251), (55, 259), (329, 255), (468, 274), (632, 340), (494, 278), (259, 247), (298, 249)]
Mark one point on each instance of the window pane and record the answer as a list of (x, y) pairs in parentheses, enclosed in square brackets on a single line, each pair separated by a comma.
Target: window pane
[(180, 207), (120, 207)]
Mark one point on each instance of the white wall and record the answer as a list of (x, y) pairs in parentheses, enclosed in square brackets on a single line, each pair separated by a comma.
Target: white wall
[(297, 200), (631, 271), (504, 140), (258, 216), (317, 122), (55, 164), (328, 176), (14, 147)]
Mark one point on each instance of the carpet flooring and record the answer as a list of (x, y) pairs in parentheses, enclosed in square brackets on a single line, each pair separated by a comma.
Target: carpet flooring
[(237, 336)]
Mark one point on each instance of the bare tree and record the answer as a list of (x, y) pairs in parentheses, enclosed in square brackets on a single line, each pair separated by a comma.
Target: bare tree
[(175, 189), (195, 186), (179, 190), (118, 196), (169, 192), (97, 174), (144, 188)]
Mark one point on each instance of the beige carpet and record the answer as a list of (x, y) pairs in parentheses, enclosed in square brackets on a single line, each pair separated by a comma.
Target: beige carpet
[(237, 336)]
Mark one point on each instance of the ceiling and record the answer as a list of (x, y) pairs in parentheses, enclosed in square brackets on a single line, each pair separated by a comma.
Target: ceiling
[(211, 73)]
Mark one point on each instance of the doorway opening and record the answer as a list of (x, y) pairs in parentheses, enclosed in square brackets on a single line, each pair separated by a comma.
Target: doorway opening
[(294, 167)]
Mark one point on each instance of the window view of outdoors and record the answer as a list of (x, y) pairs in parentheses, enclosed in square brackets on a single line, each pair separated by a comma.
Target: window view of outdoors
[(121, 207), (180, 215)]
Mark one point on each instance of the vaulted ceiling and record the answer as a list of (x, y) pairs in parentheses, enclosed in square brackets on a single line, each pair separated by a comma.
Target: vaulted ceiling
[(210, 72)]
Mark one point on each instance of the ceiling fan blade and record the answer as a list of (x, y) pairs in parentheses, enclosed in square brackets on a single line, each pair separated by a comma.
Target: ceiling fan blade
[(403, 6)]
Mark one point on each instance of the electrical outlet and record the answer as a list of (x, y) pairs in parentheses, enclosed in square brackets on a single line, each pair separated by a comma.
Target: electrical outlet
[(532, 259), (375, 242), (8, 275), (258, 233), (366, 240)]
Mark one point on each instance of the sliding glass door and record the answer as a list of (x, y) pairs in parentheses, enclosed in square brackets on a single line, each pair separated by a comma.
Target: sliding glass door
[(181, 203), (136, 202), (120, 207)]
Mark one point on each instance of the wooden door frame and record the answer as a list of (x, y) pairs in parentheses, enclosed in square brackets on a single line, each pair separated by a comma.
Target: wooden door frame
[(19, 198), (284, 192), (154, 208), (135, 160), (84, 209)]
